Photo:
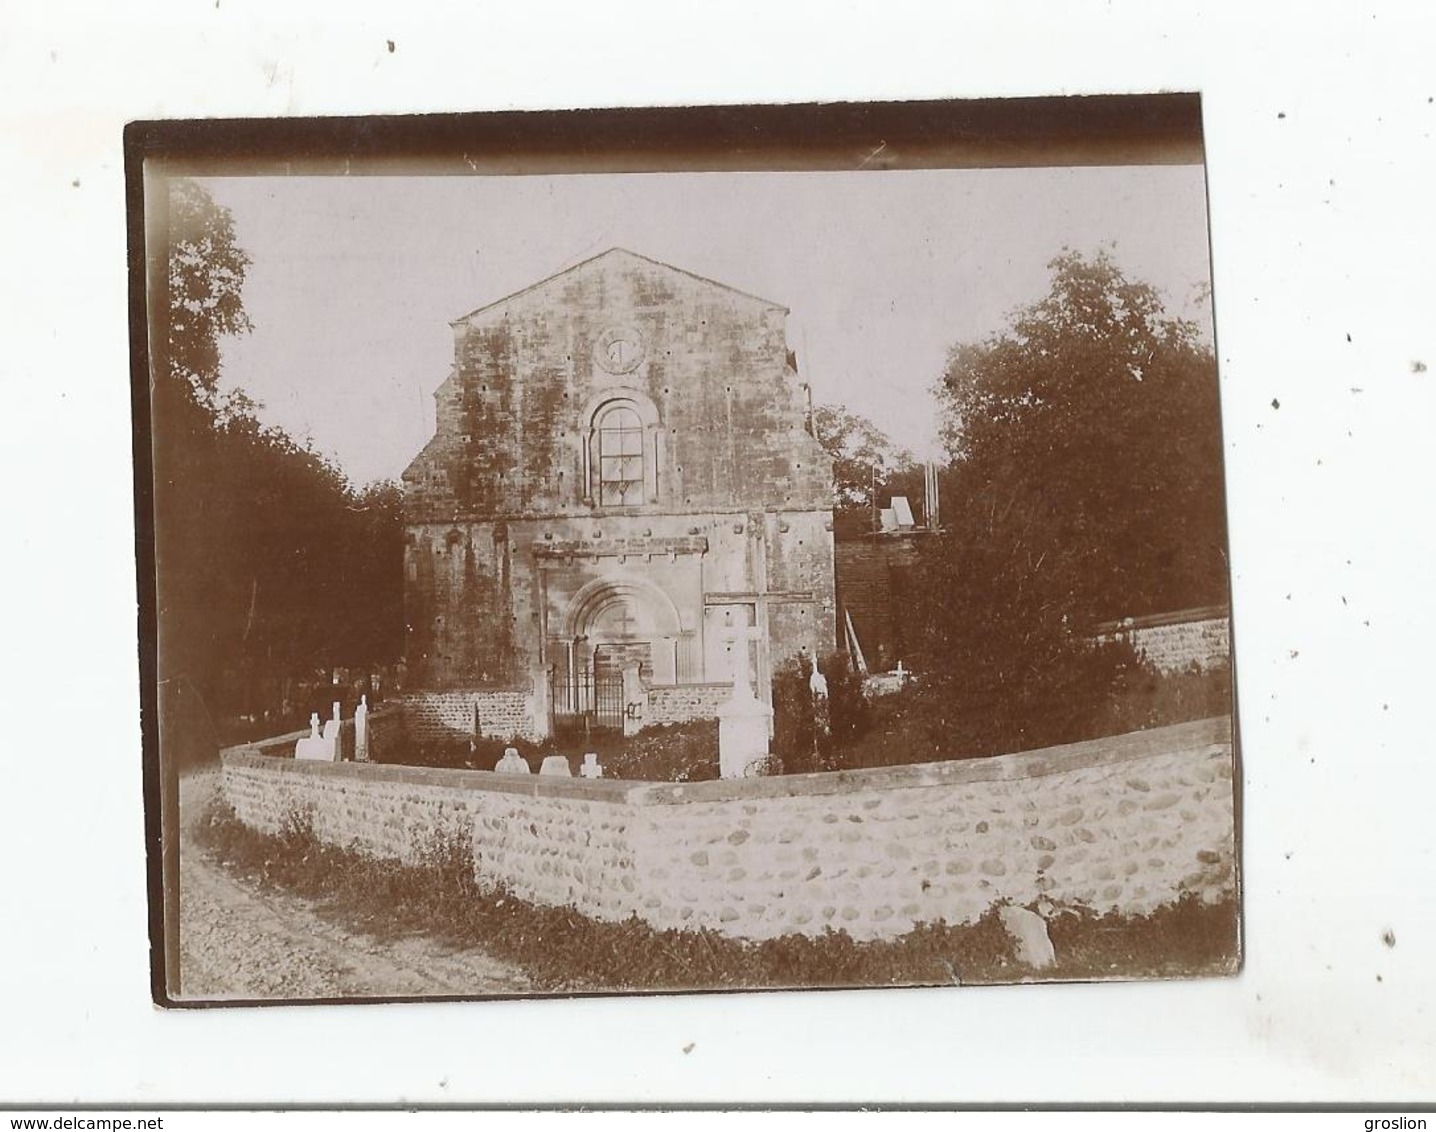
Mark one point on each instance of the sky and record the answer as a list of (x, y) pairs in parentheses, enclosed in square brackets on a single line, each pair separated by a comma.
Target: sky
[(355, 280)]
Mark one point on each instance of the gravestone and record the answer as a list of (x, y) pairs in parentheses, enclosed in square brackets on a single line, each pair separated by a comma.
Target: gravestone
[(513, 763), (361, 730), (332, 729), (556, 765), (590, 768), (313, 746), (744, 724)]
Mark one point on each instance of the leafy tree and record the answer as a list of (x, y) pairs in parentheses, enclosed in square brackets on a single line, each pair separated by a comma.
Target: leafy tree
[(1085, 484), (1086, 449), (868, 468), (207, 269), (269, 566)]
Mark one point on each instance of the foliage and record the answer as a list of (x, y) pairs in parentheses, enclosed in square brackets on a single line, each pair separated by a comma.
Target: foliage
[(439, 897), (811, 735), (1086, 449), (868, 468), (795, 734), (1086, 483), (931, 721), (675, 752), (1144, 697), (269, 564)]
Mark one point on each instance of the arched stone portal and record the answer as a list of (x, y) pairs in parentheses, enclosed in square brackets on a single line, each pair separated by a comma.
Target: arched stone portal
[(614, 622)]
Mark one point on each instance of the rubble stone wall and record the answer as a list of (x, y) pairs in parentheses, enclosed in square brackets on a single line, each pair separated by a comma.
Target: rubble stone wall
[(1126, 823), (683, 703)]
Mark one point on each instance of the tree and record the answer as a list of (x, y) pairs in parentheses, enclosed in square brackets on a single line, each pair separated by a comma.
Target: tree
[(1085, 484), (868, 468), (269, 565), (1087, 441)]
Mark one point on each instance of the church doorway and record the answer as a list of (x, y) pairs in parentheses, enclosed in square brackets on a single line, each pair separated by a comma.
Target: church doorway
[(621, 638), (616, 623)]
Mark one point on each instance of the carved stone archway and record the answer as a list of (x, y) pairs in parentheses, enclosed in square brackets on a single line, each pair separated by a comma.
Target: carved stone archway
[(621, 619)]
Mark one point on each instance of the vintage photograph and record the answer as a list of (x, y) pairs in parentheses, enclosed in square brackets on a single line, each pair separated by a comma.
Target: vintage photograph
[(578, 562)]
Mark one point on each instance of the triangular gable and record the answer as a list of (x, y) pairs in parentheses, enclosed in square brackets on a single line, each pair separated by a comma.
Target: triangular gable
[(605, 255)]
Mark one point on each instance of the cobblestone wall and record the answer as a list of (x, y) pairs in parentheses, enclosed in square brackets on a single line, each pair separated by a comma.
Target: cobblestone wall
[(1127, 823), (1174, 642), (435, 716), (550, 842), (682, 703)]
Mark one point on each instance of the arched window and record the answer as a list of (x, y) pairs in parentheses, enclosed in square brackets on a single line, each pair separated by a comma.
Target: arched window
[(620, 467), (622, 449)]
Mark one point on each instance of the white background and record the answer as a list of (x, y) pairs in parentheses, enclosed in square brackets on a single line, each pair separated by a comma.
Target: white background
[(1319, 121)]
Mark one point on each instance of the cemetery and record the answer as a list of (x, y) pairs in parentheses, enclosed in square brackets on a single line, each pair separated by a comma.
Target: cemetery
[(646, 684)]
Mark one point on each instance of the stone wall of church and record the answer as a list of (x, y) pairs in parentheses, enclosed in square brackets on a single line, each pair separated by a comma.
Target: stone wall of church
[(484, 601), (506, 483), (513, 416), (1126, 824)]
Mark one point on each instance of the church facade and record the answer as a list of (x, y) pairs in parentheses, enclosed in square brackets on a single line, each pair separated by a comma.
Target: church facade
[(623, 476)]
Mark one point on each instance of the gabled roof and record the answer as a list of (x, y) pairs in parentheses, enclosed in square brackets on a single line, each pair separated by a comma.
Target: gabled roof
[(604, 255)]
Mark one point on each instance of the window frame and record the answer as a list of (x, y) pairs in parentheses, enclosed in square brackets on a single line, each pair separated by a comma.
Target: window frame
[(641, 430)]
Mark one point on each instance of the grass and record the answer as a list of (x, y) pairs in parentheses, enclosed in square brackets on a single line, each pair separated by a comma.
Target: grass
[(564, 951)]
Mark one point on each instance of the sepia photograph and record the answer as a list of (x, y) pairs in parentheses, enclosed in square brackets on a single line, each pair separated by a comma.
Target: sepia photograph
[(682, 550)]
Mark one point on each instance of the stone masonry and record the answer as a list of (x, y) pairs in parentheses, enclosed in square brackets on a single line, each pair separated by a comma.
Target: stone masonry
[(684, 702), (1127, 823), (436, 716), (622, 466), (1176, 642)]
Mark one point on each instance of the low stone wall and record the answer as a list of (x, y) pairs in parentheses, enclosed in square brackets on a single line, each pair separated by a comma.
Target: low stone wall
[(683, 703), (1175, 642), (502, 713), (1126, 823)]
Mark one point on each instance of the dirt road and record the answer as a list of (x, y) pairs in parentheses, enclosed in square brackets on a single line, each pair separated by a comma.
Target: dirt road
[(240, 941)]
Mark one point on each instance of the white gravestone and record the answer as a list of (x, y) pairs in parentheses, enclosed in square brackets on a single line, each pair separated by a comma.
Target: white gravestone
[(513, 763), (331, 734), (556, 765), (590, 768), (361, 730), (744, 722), (313, 746)]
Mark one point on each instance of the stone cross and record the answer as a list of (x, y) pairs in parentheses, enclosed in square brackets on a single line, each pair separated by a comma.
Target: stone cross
[(313, 745), (738, 637), (590, 768)]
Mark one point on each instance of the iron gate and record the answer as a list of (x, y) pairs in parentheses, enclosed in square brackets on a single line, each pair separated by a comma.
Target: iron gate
[(585, 701)]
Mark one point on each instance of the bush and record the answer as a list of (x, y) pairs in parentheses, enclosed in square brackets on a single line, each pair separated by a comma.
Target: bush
[(812, 735), (1144, 697), (675, 752)]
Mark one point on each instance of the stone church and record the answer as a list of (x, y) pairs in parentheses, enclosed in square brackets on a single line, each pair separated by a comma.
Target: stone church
[(623, 476)]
